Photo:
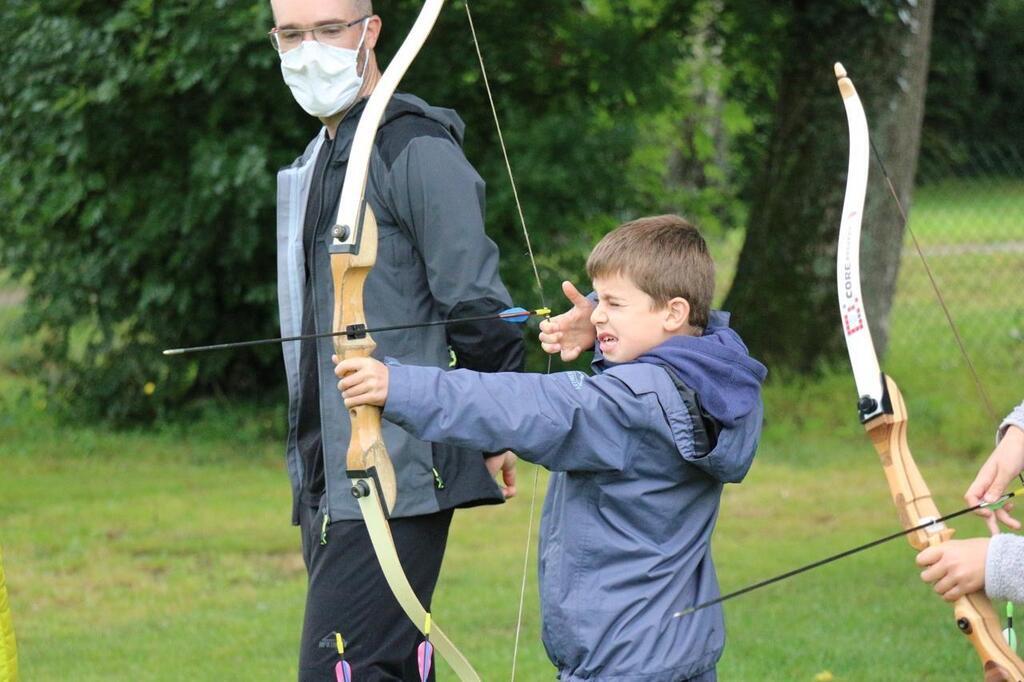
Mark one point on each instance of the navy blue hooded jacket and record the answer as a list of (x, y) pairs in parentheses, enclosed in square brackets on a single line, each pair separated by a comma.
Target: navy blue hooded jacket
[(631, 505)]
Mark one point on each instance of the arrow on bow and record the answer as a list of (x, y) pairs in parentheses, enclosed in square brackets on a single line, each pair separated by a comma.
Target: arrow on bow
[(358, 331), (884, 413)]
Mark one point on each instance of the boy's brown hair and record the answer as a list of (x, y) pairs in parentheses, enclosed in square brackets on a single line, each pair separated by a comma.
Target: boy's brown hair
[(665, 257)]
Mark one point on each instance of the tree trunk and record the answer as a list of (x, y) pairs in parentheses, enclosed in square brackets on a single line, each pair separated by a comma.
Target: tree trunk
[(783, 297)]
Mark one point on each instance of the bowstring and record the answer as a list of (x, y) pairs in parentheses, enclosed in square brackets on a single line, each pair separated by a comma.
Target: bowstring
[(540, 292), (978, 384)]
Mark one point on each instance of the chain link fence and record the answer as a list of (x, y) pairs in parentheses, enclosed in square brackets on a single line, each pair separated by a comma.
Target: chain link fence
[(968, 218)]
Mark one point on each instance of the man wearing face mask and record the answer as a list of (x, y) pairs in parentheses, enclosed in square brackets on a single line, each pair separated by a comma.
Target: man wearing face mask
[(433, 262)]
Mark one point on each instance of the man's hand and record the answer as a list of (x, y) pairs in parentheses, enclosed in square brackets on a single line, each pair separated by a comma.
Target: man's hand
[(1005, 462), (956, 567), (506, 464), (364, 381), (570, 333)]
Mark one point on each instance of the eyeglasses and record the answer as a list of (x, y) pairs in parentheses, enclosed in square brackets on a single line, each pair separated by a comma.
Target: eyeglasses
[(284, 39)]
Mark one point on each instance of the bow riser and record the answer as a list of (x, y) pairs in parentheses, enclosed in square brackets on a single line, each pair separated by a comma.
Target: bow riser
[(913, 499), (974, 614), (353, 255)]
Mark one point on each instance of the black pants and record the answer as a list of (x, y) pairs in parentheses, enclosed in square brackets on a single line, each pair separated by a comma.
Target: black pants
[(348, 595)]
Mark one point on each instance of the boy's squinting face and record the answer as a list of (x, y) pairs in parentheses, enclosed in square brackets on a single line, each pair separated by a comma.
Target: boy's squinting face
[(627, 322)]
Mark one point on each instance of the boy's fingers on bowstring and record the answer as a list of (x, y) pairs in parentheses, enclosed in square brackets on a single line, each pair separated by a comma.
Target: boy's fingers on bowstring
[(550, 336), (570, 354), (550, 348)]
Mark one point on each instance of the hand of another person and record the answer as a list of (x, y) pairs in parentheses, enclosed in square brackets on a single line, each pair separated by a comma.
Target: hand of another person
[(1005, 462), (570, 333), (955, 568), (364, 381), (505, 464)]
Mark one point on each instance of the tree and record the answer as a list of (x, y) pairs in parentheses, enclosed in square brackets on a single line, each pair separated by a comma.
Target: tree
[(783, 297)]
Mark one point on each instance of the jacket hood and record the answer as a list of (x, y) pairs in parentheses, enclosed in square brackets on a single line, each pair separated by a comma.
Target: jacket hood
[(717, 366), (403, 104)]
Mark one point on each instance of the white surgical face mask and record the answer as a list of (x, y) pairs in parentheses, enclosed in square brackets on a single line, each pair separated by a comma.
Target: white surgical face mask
[(323, 79)]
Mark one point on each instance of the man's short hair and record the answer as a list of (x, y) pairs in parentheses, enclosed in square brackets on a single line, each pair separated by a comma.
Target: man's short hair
[(665, 257), (363, 8)]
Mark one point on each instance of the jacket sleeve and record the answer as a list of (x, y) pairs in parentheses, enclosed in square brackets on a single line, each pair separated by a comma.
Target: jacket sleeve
[(565, 421), (1004, 578), (439, 198), (1015, 418)]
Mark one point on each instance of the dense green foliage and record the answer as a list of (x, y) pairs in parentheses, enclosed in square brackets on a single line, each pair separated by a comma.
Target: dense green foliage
[(141, 141), (974, 94), (138, 140)]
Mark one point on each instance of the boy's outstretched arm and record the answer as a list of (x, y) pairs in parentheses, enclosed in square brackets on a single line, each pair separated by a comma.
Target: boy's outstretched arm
[(364, 381), (564, 422)]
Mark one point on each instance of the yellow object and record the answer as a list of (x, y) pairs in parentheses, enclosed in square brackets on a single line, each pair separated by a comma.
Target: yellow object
[(8, 647)]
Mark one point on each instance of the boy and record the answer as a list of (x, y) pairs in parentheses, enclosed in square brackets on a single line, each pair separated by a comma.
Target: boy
[(638, 453)]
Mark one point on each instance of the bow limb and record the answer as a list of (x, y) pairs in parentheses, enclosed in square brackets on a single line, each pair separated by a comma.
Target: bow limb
[(353, 254), (884, 413)]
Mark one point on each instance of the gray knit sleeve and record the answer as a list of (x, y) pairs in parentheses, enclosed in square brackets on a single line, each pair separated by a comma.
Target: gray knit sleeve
[(1004, 567), (1015, 418)]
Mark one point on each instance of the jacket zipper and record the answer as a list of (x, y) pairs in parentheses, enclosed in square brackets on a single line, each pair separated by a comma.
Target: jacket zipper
[(311, 263)]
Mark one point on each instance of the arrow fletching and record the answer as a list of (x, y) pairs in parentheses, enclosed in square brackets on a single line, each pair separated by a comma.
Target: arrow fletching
[(425, 659)]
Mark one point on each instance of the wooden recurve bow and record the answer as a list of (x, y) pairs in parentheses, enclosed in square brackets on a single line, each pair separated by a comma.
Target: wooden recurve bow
[(884, 413), (353, 254)]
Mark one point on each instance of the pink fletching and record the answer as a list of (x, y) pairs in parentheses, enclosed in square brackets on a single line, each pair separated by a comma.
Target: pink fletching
[(343, 671), (425, 656)]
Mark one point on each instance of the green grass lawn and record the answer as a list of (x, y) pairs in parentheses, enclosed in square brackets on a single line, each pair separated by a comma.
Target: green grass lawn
[(969, 211), (167, 554)]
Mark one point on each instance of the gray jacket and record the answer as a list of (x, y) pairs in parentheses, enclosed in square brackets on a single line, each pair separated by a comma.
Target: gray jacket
[(434, 262), (1004, 563), (631, 505)]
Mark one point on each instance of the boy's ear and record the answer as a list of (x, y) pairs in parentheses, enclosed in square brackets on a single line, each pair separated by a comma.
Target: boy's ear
[(677, 314)]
